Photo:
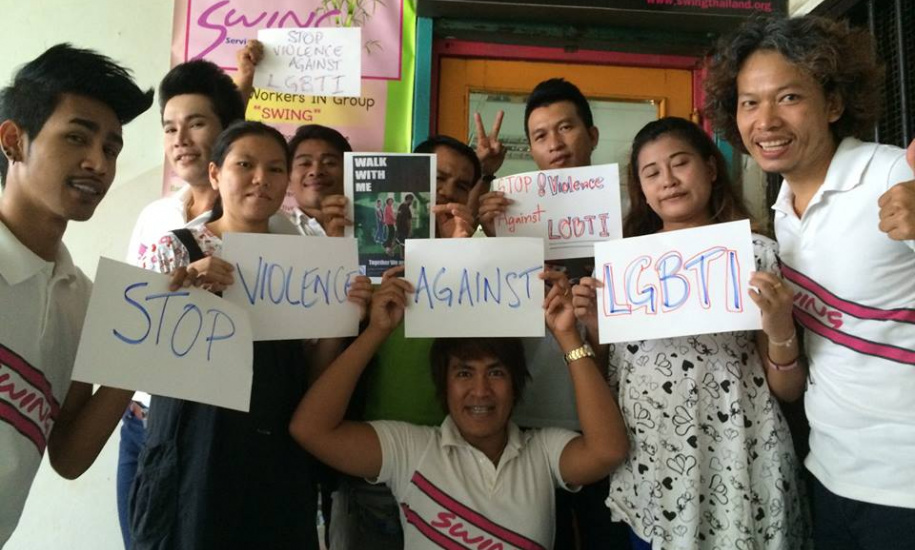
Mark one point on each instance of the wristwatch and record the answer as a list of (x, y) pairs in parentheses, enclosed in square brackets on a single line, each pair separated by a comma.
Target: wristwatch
[(578, 353)]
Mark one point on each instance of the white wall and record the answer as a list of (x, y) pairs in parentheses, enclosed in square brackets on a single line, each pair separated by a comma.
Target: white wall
[(82, 514)]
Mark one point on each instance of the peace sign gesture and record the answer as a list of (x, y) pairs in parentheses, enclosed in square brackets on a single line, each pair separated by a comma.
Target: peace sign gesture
[(489, 148)]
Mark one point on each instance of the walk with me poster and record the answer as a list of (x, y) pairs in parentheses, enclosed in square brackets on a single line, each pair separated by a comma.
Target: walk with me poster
[(390, 200)]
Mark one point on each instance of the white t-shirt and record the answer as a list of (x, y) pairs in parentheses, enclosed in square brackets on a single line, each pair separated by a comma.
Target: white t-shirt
[(449, 491), (158, 218), (306, 225), (855, 297), (42, 306)]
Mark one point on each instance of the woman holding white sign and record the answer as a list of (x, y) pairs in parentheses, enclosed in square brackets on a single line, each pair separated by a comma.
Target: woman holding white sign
[(712, 464), (212, 477)]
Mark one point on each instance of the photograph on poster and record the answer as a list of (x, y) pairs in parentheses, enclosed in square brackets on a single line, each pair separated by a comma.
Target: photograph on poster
[(390, 197)]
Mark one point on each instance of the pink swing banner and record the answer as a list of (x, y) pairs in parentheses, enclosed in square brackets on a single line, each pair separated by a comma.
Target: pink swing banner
[(379, 120)]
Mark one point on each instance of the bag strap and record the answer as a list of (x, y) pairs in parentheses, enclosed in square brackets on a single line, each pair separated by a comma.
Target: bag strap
[(190, 243)]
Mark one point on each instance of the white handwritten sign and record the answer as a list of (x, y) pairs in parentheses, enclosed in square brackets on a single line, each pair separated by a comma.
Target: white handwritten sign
[(570, 209), (692, 281), (293, 286), (188, 344), (314, 61), (474, 287)]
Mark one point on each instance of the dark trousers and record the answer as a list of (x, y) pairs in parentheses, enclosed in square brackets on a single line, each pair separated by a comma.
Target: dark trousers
[(841, 523), (133, 439), (585, 518)]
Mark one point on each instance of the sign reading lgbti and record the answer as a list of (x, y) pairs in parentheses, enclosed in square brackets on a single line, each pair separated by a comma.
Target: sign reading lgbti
[(390, 200), (292, 286), (189, 343), (570, 208), (217, 29), (325, 62), (474, 287), (692, 281)]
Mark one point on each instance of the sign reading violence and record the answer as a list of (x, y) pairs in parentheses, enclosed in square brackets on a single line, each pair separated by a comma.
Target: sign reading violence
[(293, 286), (189, 343), (474, 287), (692, 281), (570, 209)]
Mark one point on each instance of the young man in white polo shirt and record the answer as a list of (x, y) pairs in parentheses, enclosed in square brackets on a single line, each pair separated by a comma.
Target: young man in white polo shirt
[(60, 133), (477, 480), (794, 93)]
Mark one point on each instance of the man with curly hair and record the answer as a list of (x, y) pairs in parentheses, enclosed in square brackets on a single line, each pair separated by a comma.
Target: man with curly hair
[(796, 94)]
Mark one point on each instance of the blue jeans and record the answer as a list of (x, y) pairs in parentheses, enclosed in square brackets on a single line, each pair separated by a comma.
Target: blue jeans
[(841, 523), (133, 439)]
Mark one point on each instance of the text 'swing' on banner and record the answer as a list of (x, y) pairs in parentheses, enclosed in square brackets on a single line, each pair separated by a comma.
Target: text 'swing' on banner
[(692, 281), (391, 196), (292, 286), (474, 288), (570, 208), (217, 29), (189, 344)]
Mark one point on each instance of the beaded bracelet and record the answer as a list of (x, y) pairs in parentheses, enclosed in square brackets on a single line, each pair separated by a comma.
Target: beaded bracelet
[(781, 367), (784, 343)]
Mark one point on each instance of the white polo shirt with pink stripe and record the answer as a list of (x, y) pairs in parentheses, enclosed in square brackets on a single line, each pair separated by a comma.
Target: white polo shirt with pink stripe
[(452, 496), (855, 297), (42, 305)]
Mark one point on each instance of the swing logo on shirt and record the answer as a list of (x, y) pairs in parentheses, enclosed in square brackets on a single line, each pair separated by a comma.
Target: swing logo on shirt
[(458, 527), (26, 400), (828, 319)]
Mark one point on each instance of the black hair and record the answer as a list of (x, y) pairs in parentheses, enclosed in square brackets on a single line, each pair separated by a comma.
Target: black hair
[(430, 145), (553, 91), (508, 351), (236, 131), (724, 205), (39, 85), (204, 78), (841, 59), (321, 133)]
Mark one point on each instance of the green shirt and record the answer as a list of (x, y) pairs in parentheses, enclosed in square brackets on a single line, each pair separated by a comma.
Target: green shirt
[(399, 384)]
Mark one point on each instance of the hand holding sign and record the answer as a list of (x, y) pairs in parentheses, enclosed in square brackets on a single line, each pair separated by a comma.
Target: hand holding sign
[(775, 300), (559, 313), (584, 302), (333, 215), (897, 206), (247, 59), (454, 220), (492, 206), (390, 301), (210, 273)]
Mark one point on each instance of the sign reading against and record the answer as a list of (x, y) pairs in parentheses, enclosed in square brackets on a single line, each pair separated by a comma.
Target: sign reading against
[(474, 287), (390, 200), (293, 286), (692, 281), (323, 62), (189, 344), (570, 208)]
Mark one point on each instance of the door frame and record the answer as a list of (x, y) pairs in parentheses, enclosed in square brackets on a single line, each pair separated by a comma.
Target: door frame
[(442, 48)]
